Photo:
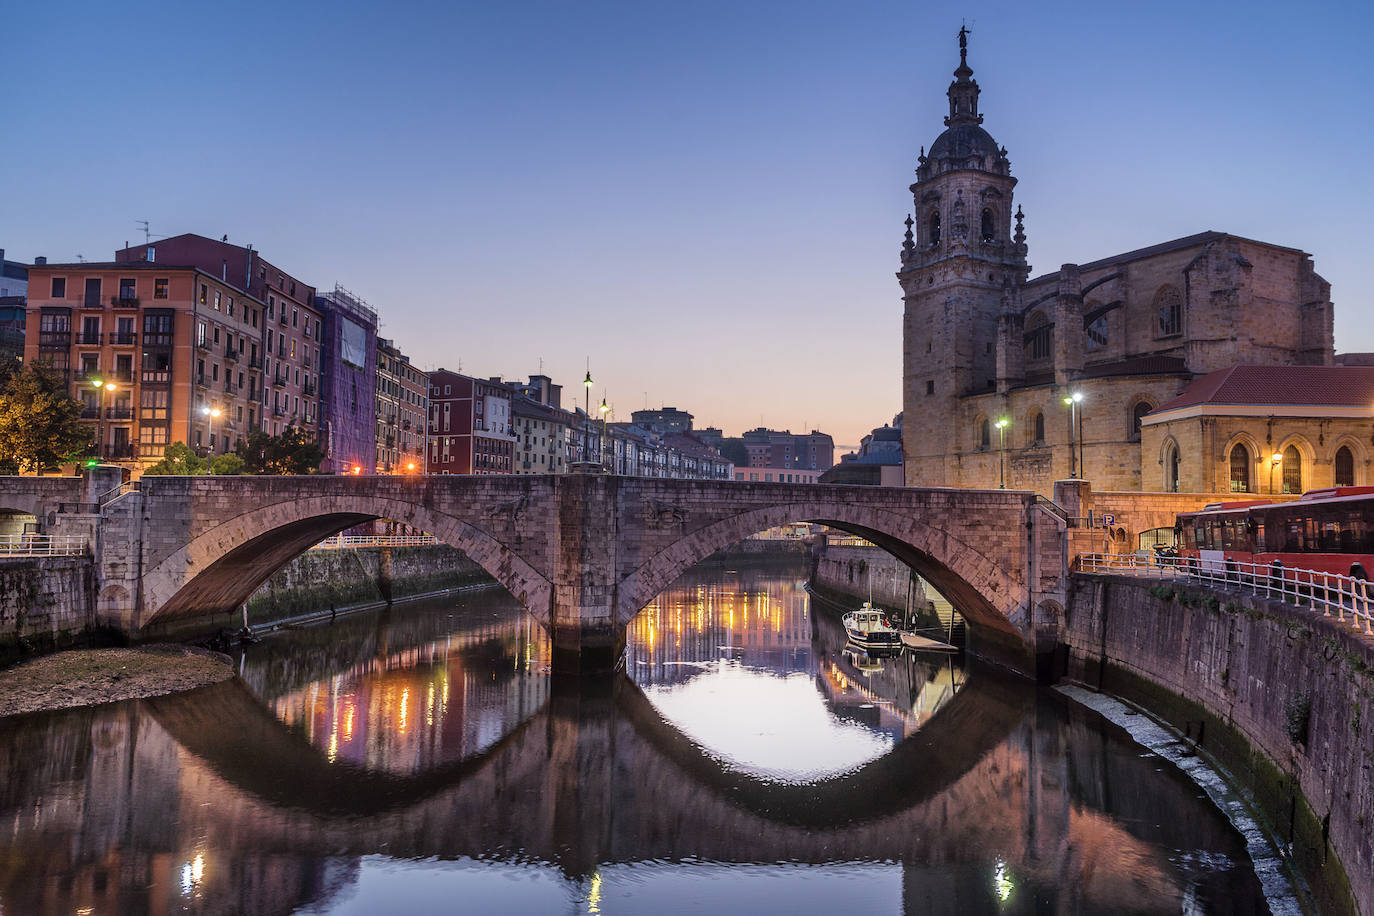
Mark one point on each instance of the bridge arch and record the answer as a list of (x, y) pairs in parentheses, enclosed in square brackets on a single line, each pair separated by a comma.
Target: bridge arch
[(988, 595), (220, 568)]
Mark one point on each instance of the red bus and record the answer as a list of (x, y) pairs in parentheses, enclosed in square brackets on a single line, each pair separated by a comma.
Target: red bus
[(1329, 530)]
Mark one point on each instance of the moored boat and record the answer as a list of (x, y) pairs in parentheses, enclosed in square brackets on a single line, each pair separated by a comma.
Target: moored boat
[(868, 627)]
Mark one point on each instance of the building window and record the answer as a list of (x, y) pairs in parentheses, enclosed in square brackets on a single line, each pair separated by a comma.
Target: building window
[(1138, 413), (1096, 333), (930, 386), (128, 289), (204, 293), (160, 288), (984, 435), (1240, 469), (988, 234), (1171, 468), (1345, 467), (933, 235), (93, 293), (1292, 470), (1169, 304), (59, 287)]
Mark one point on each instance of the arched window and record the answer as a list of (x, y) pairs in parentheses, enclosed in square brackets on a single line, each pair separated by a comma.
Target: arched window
[(984, 435), (1169, 304), (1240, 469), (1345, 467), (1096, 333), (1171, 468), (1138, 413), (1292, 470), (988, 233), (1037, 428), (1039, 340), (933, 235)]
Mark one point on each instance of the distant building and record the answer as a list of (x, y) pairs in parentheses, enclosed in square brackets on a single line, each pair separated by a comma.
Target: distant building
[(877, 463), (781, 456), (469, 425), (348, 419), (543, 436), (402, 409), (178, 355), (14, 277), (663, 420), (14, 287)]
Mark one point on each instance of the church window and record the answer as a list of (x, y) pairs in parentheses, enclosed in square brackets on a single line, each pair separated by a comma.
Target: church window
[(1171, 468), (988, 235), (933, 236), (1039, 339), (1170, 306), (1240, 469), (1345, 467), (984, 435), (1138, 413), (1097, 333), (1037, 429), (1292, 470)]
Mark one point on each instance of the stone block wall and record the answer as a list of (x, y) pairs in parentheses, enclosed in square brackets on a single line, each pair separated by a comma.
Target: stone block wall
[(45, 603), (1281, 695)]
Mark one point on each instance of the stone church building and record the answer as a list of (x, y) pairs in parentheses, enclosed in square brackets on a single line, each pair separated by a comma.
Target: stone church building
[(1026, 380)]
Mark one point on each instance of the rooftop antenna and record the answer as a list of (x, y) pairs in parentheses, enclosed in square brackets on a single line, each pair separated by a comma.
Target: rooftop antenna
[(147, 230), (81, 259)]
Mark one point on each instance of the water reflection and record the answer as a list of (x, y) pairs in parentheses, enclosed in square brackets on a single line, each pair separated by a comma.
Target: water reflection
[(515, 794)]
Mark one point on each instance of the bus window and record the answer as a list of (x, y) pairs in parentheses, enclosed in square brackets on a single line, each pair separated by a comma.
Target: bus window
[(1259, 536), (1329, 540), (1293, 543), (1228, 534), (1200, 534)]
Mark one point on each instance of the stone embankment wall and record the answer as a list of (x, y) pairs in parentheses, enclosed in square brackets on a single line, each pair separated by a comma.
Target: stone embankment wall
[(320, 579), (46, 603), (1282, 696), (848, 570), (783, 551)]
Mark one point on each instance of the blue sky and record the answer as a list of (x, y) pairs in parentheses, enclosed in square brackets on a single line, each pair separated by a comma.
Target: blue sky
[(705, 199)]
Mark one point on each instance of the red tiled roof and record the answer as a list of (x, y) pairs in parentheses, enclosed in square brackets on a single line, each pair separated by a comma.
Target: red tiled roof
[(1309, 386)]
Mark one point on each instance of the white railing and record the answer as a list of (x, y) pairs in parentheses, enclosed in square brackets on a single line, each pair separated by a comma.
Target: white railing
[(41, 545), (1335, 595), (339, 542)]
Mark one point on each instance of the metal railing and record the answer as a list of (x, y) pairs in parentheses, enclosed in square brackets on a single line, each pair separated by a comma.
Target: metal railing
[(41, 545), (340, 542), (1344, 597)]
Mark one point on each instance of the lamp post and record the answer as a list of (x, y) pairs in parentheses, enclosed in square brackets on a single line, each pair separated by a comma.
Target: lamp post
[(1002, 424), (1274, 461), (101, 387), (1075, 438), (587, 411), (605, 409), (211, 412)]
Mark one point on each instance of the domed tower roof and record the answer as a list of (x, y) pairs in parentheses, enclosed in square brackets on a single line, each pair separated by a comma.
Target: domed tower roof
[(964, 144)]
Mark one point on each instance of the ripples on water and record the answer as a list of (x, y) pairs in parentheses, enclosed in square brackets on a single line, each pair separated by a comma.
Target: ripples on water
[(422, 760)]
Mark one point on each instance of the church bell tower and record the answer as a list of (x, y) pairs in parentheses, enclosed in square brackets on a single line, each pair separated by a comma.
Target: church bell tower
[(961, 268)]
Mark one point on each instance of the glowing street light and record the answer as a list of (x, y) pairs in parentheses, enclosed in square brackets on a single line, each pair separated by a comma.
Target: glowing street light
[(101, 386), (1002, 424), (211, 412), (1274, 461), (1075, 459), (587, 409), (605, 409)]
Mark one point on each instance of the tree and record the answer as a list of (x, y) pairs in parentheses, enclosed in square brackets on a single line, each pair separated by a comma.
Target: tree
[(226, 465), (293, 452), (40, 425), (178, 461)]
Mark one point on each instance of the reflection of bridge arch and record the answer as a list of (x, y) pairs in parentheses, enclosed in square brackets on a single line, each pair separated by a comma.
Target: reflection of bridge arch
[(240, 738), (983, 591), (222, 566)]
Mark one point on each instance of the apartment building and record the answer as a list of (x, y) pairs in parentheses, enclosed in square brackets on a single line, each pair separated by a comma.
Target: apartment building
[(402, 406), (469, 425)]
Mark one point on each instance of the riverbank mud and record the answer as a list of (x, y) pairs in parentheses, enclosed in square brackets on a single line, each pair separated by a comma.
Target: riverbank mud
[(90, 676)]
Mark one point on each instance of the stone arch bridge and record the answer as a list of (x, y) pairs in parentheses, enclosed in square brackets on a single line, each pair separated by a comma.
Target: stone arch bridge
[(584, 553)]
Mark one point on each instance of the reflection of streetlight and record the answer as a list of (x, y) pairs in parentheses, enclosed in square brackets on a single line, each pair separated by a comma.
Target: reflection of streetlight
[(1274, 461), (410, 467), (211, 412), (1001, 425), (101, 387), (1075, 460)]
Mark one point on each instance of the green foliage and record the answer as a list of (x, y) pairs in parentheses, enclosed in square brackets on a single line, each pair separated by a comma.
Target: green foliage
[(293, 452), (1162, 592), (40, 425), (178, 461), (735, 451), (1297, 714), (227, 465)]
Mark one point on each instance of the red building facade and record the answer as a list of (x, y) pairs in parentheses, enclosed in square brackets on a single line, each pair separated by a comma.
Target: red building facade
[(469, 425)]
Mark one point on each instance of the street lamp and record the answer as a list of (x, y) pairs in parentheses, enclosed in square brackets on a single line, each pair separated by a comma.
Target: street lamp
[(605, 409), (211, 412), (587, 410), (1002, 425), (101, 387), (1075, 460), (1274, 461)]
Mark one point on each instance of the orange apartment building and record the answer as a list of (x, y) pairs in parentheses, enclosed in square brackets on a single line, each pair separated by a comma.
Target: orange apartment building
[(161, 353)]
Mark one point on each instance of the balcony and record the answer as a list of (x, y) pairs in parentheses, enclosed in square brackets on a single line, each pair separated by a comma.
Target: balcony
[(231, 354), (119, 413), (229, 386), (202, 381), (62, 339), (310, 389), (279, 379), (90, 340), (122, 301), (124, 339), (123, 450), (203, 345), (255, 362), (90, 413), (278, 411), (123, 375)]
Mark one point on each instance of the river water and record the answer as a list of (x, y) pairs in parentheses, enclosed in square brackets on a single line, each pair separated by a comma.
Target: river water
[(421, 760)]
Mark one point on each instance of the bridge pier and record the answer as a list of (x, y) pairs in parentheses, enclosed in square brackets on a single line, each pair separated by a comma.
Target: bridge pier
[(586, 637)]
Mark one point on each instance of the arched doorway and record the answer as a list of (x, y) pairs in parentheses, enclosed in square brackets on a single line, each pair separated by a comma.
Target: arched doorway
[(1240, 469), (1345, 467)]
